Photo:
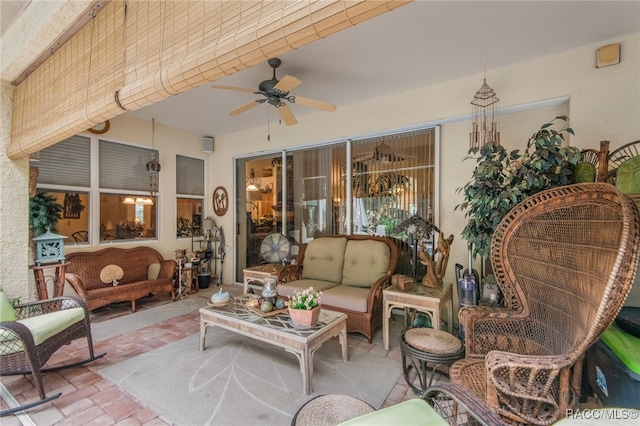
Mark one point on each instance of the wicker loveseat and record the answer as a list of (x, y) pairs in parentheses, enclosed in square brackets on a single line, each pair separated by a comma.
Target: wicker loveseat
[(351, 271), (145, 272)]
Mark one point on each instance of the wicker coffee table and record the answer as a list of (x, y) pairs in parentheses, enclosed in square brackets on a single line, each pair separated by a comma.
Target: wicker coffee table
[(277, 330)]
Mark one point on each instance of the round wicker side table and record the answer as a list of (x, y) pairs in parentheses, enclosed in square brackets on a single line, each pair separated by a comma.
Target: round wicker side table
[(330, 410), (428, 350)]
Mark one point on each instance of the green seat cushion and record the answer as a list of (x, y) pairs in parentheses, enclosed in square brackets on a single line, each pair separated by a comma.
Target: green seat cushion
[(626, 346), (7, 313), (365, 262), (43, 327), (584, 172), (413, 412), (628, 176), (323, 259)]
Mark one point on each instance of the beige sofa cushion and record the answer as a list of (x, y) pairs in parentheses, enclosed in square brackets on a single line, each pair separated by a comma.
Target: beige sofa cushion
[(323, 259), (287, 289), (346, 297), (365, 261)]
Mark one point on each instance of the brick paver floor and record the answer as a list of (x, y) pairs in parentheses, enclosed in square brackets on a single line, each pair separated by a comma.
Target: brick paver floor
[(89, 399)]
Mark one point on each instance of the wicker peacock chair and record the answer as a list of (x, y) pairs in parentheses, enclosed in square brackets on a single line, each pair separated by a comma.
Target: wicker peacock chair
[(565, 260)]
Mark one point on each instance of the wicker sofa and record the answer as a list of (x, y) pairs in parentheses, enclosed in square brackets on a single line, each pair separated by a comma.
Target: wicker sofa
[(351, 271), (145, 272)]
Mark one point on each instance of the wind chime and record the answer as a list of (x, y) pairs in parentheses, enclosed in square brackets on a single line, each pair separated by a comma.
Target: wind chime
[(153, 167), (484, 107)]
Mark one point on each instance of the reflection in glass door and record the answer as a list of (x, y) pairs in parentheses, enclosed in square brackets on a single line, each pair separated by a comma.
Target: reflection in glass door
[(367, 186)]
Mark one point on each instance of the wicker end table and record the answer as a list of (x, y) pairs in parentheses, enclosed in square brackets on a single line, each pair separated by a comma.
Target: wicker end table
[(423, 299)]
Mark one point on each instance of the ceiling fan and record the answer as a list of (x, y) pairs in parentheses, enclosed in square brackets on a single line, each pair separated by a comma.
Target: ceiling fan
[(275, 92)]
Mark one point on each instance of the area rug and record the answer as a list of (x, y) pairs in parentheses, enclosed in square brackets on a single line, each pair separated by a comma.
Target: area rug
[(240, 381)]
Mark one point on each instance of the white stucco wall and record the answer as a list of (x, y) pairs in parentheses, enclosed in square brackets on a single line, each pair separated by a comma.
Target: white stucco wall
[(14, 209)]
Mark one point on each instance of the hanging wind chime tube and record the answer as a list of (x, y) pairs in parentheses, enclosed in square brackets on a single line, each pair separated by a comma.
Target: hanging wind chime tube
[(153, 167), (484, 126)]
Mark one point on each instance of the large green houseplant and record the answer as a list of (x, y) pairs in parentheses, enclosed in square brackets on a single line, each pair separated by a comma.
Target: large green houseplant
[(44, 213), (502, 179)]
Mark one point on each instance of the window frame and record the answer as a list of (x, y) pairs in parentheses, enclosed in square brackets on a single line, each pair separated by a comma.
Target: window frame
[(195, 194), (95, 192)]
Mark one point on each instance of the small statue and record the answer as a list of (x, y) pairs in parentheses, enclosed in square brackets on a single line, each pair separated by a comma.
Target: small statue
[(436, 264)]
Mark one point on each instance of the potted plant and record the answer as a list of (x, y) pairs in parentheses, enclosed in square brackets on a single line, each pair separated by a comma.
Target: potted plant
[(44, 213), (131, 228), (184, 227), (502, 179), (304, 307)]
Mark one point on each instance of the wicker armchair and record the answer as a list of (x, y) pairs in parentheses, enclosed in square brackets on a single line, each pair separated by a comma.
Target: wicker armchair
[(30, 333), (565, 260)]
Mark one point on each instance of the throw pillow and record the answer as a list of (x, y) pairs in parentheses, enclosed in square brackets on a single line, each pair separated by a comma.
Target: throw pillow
[(111, 274), (153, 271), (365, 262), (324, 259), (7, 313)]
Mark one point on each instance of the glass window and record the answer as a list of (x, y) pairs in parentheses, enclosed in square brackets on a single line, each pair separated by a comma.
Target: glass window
[(189, 217), (74, 217), (64, 171), (67, 163), (189, 176), (122, 185), (130, 213), (124, 166), (126, 217), (393, 179), (385, 181), (190, 196)]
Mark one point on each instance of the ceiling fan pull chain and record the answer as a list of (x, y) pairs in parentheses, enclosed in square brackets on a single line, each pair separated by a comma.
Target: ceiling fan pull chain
[(268, 126)]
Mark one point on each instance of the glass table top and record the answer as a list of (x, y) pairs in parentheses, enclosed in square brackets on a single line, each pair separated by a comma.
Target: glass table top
[(238, 309)]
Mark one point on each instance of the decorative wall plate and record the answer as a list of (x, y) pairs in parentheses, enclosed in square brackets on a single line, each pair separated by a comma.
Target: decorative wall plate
[(100, 128), (220, 201)]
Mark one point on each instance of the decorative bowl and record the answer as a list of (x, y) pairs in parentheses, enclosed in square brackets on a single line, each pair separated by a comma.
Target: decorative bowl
[(220, 297)]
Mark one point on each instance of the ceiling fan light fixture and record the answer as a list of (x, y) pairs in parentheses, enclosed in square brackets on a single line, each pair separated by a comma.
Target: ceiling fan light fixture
[(275, 92), (253, 185)]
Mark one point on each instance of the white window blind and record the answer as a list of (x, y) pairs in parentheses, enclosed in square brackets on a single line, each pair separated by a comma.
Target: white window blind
[(66, 163), (189, 176), (124, 166)]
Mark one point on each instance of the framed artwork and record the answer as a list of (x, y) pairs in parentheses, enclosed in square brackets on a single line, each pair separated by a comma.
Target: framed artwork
[(72, 206)]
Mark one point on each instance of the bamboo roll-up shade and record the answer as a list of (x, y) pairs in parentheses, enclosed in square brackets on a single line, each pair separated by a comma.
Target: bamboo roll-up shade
[(172, 47), (160, 49), (74, 88)]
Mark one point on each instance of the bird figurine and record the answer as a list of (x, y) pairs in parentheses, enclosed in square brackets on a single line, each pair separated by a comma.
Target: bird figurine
[(437, 263)]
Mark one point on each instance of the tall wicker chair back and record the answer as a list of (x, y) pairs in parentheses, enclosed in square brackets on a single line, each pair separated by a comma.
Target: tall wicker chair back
[(565, 260)]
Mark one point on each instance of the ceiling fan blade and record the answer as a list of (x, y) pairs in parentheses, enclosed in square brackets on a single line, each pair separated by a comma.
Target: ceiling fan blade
[(286, 115), (244, 107), (314, 104), (287, 83), (238, 89)]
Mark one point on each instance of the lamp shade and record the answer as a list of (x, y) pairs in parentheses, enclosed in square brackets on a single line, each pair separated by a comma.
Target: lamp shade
[(49, 248), (207, 224)]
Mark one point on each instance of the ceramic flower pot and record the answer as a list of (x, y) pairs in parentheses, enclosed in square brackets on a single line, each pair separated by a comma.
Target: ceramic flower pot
[(304, 317)]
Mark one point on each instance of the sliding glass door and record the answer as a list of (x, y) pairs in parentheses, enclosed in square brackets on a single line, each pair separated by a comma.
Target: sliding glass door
[(366, 186)]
